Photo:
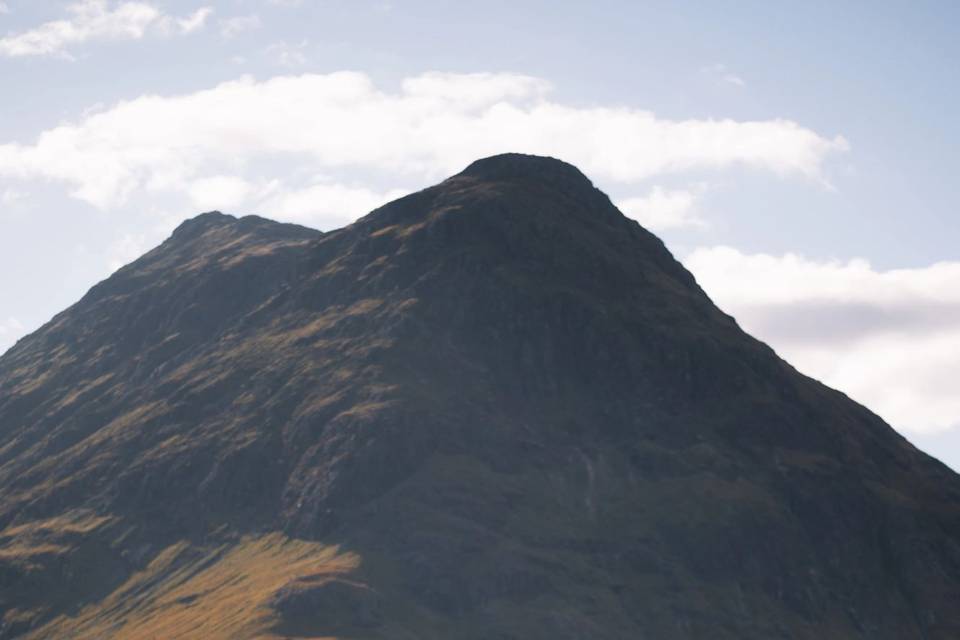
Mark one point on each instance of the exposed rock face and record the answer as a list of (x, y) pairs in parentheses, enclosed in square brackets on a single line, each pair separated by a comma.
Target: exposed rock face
[(507, 401)]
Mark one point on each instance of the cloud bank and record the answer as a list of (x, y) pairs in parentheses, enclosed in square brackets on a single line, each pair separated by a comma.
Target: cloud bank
[(890, 339), (432, 125)]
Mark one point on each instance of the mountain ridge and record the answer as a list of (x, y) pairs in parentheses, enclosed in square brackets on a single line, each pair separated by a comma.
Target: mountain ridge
[(495, 407)]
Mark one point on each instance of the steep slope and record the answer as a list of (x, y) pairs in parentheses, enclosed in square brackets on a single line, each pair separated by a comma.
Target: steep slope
[(493, 408)]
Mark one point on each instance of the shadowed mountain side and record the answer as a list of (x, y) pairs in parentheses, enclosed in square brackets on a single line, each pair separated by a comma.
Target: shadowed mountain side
[(500, 405)]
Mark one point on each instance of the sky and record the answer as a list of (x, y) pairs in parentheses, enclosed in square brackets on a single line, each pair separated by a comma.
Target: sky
[(799, 158)]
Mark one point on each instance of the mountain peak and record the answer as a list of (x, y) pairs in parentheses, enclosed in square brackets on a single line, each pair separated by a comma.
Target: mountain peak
[(520, 167), (201, 223), (512, 191), (485, 403)]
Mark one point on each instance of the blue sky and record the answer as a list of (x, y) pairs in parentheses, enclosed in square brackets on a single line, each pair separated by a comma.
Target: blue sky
[(798, 157)]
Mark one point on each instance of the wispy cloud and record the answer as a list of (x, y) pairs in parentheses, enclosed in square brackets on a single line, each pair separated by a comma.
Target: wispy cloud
[(11, 196), (288, 55), (232, 27), (433, 125), (99, 20), (721, 73), (890, 339)]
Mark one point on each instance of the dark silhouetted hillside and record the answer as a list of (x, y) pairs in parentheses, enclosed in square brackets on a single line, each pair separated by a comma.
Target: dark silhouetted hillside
[(496, 408)]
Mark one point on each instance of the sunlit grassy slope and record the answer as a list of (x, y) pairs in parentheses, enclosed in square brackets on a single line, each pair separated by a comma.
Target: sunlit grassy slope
[(226, 592)]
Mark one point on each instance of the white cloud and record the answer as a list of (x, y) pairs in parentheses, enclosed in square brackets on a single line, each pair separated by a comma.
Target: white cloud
[(288, 55), (125, 250), (323, 204), (433, 125), (194, 22), (4, 8), (890, 339), (91, 20), (219, 192), (721, 73), (232, 27), (286, 3), (11, 330), (10, 325), (9, 197), (464, 92), (661, 209)]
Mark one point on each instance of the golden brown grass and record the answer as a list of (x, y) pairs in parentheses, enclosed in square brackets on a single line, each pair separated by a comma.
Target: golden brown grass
[(27, 545), (224, 593), (81, 389), (75, 522)]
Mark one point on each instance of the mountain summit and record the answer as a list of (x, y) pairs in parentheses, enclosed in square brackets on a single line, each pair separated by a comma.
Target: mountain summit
[(495, 408)]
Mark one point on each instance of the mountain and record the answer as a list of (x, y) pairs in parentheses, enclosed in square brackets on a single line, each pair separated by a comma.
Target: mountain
[(495, 408)]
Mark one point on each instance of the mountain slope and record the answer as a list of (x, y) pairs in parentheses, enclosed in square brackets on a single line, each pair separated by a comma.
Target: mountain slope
[(493, 408)]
